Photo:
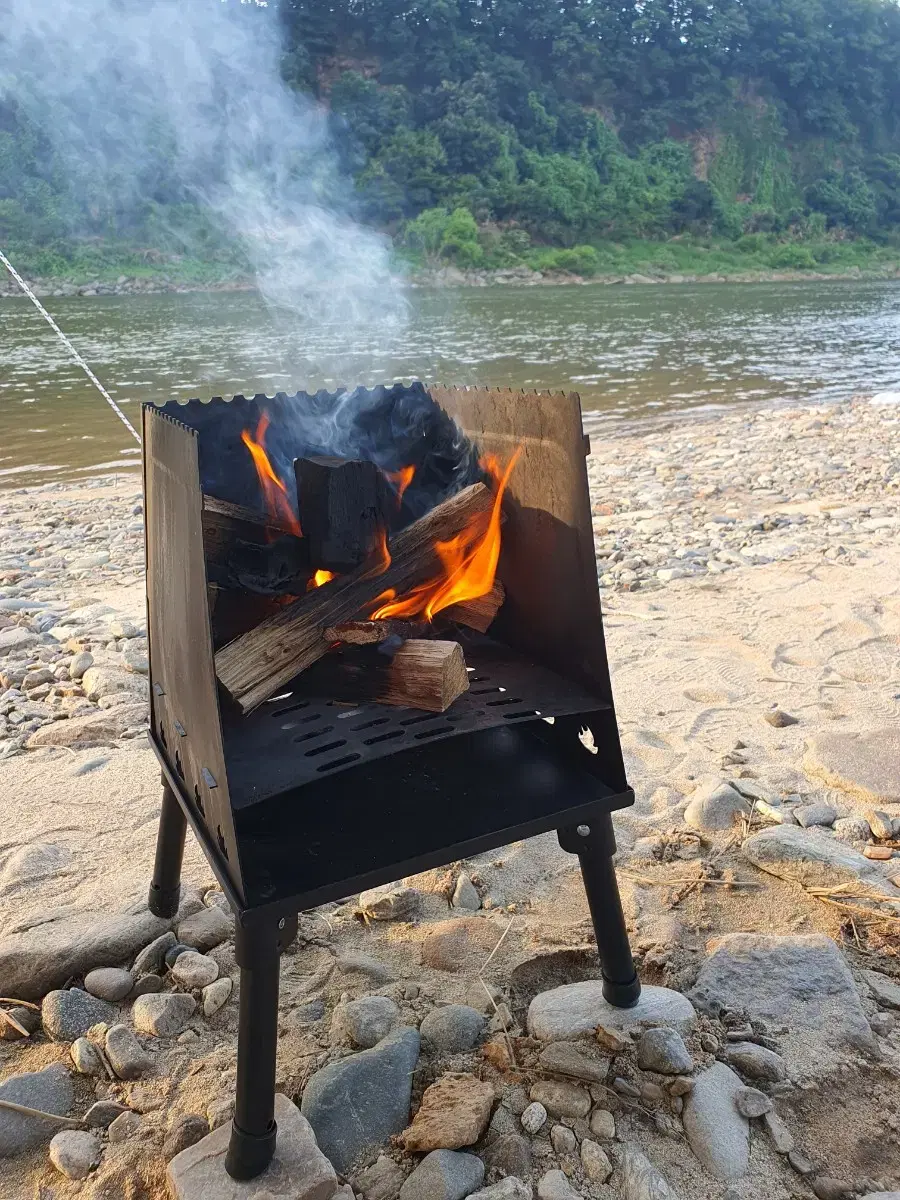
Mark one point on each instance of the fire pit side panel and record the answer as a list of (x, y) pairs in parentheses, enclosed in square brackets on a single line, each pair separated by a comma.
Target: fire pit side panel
[(547, 565), (184, 705)]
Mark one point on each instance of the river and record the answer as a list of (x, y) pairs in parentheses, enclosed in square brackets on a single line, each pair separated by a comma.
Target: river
[(632, 352)]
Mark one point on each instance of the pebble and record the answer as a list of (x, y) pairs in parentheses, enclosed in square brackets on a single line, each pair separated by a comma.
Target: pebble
[(801, 1164), (595, 1161), (185, 1131), (454, 1028), (164, 1014), (510, 1154), (69, 1014), (755, 1061), (715, 806), (454, 1113), (561, 1099), (716, 1131), (206, 929), (827, 1188), (359, 1102), (510, 1188), (49, 1090), (102, 1114), (534, 1118), (779, 719), (390, 903), (364, 1022), (563, 1139), (781, 1136), (174, 951), (640, 1178), (194, 970), (752, 1103), (555, 1186), (879, 853), (465, 894), (26, 1017), (79, 664), (109, 983), (86, 1058), (603, 1124), (146, 986), (125, 1053), (886, 991), (816, 814), (444, 1175), (215, 995), (381, 1181), (153, 957), (663, 1050), (75, 1153), (880, 824), (123, 1127), (564, 1058)]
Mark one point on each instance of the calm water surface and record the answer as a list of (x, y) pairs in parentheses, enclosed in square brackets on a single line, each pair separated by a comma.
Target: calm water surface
[(630, 351)]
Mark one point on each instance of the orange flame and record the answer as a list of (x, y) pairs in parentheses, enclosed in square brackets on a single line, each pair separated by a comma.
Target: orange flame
[(380, 558), (278, 506), (401, 480), (319, 578), (468, 561)]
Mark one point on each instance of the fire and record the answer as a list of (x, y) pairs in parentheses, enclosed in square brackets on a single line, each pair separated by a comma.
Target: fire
[(278, 505), (321, 577), (380, 558), (468, 561), (401, 480)]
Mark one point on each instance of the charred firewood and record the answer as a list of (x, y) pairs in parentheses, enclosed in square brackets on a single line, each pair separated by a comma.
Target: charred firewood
[(344, 507), (478, 613)]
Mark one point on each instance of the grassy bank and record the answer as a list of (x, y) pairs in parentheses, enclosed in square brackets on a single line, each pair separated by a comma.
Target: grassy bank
[(118, 267)]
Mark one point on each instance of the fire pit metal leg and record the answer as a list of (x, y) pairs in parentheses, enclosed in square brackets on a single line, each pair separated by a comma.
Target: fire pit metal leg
[(165, 890), (595, 845), (253, 1130)]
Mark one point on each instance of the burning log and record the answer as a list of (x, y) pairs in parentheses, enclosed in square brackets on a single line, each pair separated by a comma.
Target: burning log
[(370, 633), (244, 549), (343, 505), (253, 667), (426, 674), (478, 613)]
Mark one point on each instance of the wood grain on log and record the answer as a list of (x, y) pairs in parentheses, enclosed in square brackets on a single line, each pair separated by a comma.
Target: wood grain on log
[(253, 667), (478, 613), (423, 673)]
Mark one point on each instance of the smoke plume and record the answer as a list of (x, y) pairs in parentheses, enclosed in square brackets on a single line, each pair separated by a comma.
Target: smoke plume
[(147, 99)]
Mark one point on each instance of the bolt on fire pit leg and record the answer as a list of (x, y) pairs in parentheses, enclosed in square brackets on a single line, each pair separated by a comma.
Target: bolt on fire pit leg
[(595, 845), (253, 1130), (165, 890)]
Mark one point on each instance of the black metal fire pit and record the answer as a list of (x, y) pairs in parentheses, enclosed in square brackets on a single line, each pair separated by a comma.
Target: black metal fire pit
[(305, 801)]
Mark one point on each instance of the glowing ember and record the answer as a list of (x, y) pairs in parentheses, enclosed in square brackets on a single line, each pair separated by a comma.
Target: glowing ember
[(401, 480), (278, 505), (468, 561), (321, 577)]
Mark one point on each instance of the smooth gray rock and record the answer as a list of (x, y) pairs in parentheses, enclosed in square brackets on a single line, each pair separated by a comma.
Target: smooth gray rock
[(812, 857), (885, 991), (391, 903), (663, 1050), (752, 1103), (125, 1053), (465, 894), (364, 1022), (215, 995), (444, 1175), (109, 983), (575, 1009), (717, 1132), (41, 958), (152, 958), (206, 929), (69, 1014), (355, 962), (863, 764), (195, 970), (358, 1103), (299, 1170), (798, 981), (755, 1062), (163, 1014), (640, 1178), (86, 1058), (534, 1117), (715, 805), (453, 1028), (816, 814), (75, 1153), (185, 1131), (510, 1154), (50, 1091), (102, 1114)]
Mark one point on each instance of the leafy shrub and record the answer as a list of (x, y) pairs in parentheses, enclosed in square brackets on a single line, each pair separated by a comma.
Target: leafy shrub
[(791, 257)]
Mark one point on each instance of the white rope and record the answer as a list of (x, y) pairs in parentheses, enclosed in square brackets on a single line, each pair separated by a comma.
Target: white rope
[(65, 341)]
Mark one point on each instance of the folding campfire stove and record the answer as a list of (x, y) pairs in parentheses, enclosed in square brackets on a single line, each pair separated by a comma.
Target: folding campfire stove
[(302, 790)]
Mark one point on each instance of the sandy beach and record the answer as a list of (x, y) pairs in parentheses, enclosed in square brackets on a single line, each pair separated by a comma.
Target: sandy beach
[(750, 573)]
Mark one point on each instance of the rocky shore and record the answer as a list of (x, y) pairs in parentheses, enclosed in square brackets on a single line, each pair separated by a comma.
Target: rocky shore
[(446, 1037), (522, 276)]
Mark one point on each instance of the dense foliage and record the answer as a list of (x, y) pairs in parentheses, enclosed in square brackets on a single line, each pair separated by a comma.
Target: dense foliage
[(484, 131)]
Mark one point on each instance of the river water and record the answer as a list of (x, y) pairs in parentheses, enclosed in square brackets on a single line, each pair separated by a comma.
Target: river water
[(632, 352)]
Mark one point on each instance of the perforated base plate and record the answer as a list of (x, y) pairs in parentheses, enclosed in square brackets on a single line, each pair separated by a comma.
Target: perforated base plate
[(299, 738)]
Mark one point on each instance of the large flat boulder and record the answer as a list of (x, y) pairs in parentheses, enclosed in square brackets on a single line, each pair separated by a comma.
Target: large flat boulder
[(800, 982), (863, 764), (575, 1009), (812, 858)]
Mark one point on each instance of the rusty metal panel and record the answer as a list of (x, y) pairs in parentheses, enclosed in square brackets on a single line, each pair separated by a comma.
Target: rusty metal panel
[(184, 706)]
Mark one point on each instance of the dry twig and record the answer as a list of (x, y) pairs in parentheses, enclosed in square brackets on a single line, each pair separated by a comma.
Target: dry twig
[(67, 1122)]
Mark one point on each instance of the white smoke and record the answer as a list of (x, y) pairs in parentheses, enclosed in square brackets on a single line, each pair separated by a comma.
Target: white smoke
[(123, 85)]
